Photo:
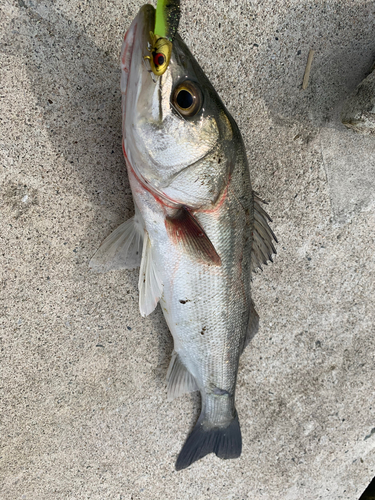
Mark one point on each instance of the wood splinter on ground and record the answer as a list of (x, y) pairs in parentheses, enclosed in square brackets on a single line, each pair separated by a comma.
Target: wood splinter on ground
[(308, 69)]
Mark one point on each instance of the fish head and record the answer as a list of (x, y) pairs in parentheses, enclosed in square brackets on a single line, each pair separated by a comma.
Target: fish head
[(172, 121)]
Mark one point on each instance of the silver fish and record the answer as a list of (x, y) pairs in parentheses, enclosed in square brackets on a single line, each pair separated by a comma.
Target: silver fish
[(197, 233)]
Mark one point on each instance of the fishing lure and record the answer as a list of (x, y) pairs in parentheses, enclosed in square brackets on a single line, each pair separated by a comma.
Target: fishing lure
[(167, 17)]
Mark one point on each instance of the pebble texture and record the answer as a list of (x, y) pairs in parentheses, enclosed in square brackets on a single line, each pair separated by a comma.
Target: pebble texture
[(84, 413)]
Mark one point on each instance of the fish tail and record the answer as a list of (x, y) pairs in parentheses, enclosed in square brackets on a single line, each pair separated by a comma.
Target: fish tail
[(224, 439)]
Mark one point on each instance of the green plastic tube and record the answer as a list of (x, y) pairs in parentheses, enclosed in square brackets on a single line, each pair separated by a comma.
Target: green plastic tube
[(167, 17)]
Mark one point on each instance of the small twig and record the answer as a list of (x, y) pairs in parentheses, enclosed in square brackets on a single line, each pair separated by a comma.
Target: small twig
[(307, 70)]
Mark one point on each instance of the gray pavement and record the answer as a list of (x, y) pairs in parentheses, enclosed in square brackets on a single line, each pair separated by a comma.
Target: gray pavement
[(84, 413)]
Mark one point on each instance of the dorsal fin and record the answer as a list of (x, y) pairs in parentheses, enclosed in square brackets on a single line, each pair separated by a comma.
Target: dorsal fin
[(185, 230), (263, 236)]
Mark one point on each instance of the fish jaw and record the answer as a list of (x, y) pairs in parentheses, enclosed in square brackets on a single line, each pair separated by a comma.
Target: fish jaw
[(132, 62), (135, 43)]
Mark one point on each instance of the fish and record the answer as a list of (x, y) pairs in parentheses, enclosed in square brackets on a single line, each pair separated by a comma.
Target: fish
[(198, 232)]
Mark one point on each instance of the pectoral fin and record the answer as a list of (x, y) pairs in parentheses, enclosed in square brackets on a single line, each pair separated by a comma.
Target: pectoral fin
[(122, 248), (185, 230)]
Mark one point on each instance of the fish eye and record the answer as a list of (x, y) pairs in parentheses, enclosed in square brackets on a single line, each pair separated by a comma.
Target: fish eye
[(184, 99), (187, 99)]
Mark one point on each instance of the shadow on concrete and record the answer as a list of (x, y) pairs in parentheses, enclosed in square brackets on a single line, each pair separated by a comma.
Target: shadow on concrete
[(76, 86)]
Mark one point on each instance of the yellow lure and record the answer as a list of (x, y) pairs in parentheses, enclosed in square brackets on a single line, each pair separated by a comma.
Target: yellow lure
[(167, 17)]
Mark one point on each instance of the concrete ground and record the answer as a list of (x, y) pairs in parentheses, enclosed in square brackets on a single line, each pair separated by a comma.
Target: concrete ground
[(84, 413)]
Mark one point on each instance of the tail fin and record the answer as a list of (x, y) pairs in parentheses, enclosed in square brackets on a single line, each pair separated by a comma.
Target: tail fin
[(226, 442)]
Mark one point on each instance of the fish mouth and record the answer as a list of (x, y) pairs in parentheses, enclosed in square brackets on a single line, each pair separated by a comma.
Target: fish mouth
[(134, 73), (135, 45)]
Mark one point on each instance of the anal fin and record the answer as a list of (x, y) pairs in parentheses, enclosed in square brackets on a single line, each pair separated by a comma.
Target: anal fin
[(185, 230), (179, 379)]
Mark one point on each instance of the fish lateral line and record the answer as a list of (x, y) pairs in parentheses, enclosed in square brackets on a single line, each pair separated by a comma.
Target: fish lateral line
[(184, 230)]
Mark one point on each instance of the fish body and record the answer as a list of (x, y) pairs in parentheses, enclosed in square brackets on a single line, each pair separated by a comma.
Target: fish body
[(197, 234)]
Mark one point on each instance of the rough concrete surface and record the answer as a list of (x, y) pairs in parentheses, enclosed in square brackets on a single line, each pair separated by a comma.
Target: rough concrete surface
[(84, 413)]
